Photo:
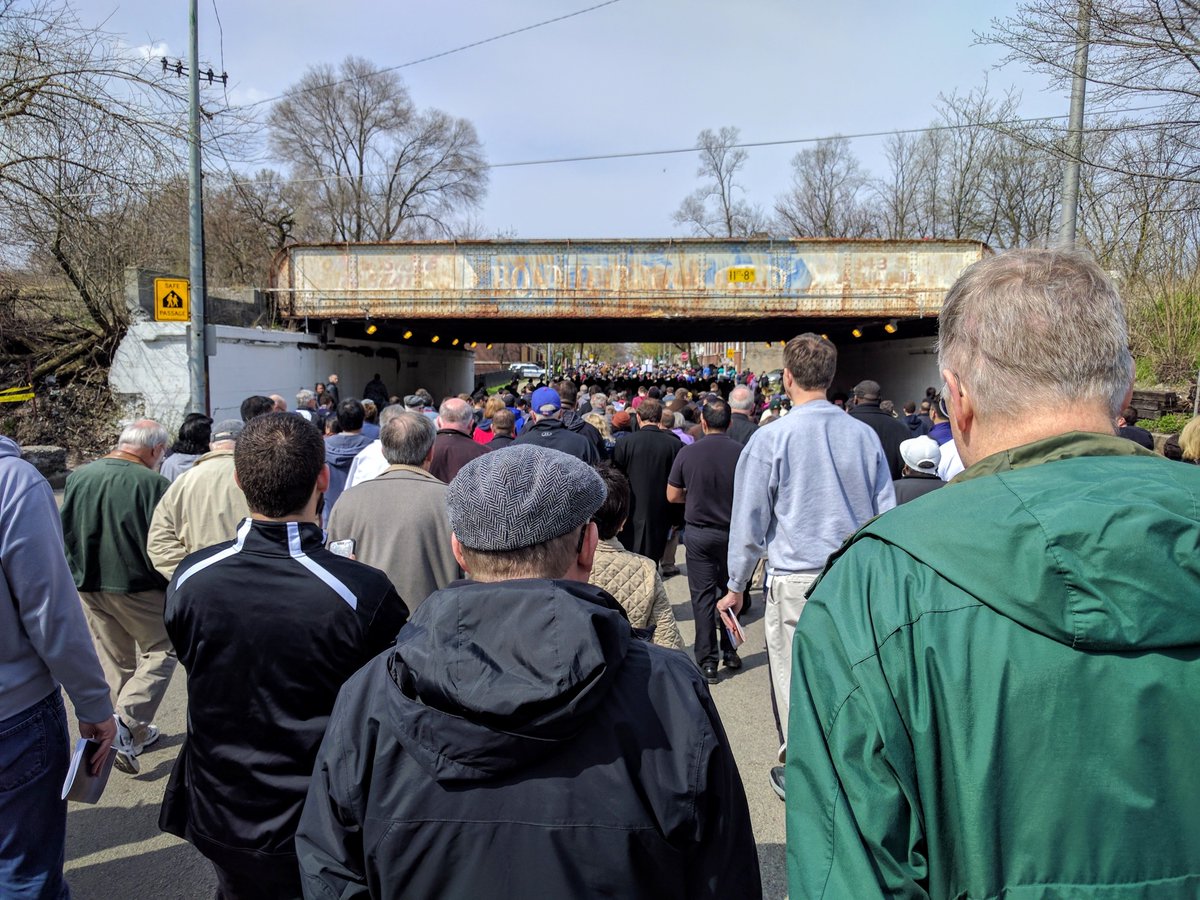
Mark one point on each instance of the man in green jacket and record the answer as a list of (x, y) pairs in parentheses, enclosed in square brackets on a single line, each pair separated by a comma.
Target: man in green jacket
[(994, 690)]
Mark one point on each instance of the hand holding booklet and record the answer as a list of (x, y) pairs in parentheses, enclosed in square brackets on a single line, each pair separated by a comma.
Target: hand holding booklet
[(733, 628), (81, 784)]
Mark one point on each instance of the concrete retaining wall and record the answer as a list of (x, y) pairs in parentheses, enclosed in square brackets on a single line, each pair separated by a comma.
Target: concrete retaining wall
[(149, 374)]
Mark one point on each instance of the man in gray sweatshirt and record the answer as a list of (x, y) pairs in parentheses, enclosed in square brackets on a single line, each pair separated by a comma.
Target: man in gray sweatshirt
[(44, 643), (802, 487)]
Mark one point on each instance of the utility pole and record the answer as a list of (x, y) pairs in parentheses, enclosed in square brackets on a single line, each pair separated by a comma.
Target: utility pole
[(197, 349), (1070, 193)]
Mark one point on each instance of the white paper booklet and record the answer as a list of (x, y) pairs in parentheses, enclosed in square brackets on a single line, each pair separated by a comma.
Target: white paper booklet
[(81, 784)]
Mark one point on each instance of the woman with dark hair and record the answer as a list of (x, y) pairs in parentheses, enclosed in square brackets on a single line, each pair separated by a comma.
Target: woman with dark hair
[(192, 443), (632, 580)]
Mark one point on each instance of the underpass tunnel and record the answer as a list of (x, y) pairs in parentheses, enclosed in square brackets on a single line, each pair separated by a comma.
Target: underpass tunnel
[(898, 353)]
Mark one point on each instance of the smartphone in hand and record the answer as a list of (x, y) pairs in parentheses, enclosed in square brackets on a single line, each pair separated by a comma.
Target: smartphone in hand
[(343, 548)]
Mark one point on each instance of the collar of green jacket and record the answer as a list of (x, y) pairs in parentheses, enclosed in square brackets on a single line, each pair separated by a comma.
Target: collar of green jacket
[(1060, 446), (1047, 534)]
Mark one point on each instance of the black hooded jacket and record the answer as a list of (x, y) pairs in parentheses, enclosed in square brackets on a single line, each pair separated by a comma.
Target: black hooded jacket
[(520, 741)]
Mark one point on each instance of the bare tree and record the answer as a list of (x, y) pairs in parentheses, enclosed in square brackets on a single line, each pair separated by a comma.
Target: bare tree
[(1141, 53), (716, 209), (828, 193), (897, 196), (247, 221), (375, 166), (972, 123), (84, 128), (1022, 187)]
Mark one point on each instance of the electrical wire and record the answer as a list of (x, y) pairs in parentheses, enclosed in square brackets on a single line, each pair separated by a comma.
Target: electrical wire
[(221, 44), (636, 154), (424, 59)]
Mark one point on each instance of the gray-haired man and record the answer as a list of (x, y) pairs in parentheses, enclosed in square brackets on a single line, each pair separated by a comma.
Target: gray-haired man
[(520, 740), (413, 549), (994, 689), (306, 407), (454, 448), (106, 513), (741, 405)]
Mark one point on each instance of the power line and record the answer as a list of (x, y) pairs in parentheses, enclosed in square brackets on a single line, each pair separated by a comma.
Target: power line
[(221, 38), (635, 154), (423, 59)]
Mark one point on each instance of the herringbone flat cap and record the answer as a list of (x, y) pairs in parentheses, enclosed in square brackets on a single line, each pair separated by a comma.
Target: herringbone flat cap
[(521, 496)]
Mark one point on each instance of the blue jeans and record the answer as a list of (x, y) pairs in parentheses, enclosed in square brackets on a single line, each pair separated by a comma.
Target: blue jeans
[(34, 756)]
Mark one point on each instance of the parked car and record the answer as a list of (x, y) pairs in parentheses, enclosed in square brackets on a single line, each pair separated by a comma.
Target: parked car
[(527, 370)]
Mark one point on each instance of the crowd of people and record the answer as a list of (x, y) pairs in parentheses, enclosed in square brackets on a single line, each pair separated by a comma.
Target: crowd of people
[(429, 651)]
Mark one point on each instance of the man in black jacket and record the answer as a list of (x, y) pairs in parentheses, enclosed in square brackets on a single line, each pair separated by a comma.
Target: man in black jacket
[(892, 432), (548, 429), (573, 418), (741, 404), (268, 628), (645, 458), (521, 741)]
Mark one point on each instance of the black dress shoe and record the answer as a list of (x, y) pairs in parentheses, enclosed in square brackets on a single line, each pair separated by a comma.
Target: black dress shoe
[(710, 673), (732, 660)]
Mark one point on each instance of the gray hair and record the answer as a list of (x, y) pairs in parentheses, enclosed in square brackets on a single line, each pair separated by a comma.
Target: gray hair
[(456, 413), (407, 438), (599, 399), (391, 412), (1036, 329), (144, 433), (741, 398), (303, 397)]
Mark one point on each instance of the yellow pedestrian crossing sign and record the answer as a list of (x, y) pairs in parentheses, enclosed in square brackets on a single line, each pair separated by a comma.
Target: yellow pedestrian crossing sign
[(171, 300)]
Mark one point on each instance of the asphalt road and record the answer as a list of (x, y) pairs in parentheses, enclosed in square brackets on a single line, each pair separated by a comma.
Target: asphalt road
[(114, 849)]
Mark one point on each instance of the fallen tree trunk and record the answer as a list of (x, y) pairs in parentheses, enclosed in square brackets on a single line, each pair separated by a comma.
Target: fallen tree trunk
[(64, 356)]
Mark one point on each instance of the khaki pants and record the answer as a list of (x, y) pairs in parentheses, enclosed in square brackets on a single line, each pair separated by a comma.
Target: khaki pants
[(134, 650), (785, 602)]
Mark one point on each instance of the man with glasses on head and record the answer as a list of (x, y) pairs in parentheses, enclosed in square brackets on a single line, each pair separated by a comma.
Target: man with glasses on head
[(994, 689)]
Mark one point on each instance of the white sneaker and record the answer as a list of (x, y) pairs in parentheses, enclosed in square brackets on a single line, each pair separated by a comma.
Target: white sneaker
[(127, 753), (151, 738), (127, 750)]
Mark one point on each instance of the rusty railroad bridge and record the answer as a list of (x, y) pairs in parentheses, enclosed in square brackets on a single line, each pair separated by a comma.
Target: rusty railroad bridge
[(614, 290)]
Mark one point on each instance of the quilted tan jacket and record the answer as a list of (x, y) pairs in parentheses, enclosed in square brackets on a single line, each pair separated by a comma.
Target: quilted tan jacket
[(635, 583)]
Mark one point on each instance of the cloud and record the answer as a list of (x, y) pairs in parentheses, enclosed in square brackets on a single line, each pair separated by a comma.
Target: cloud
[(152, 51), (241, 96), (143, 52)]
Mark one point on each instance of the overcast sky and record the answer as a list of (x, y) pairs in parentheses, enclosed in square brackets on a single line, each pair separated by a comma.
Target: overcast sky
[(635, 75)]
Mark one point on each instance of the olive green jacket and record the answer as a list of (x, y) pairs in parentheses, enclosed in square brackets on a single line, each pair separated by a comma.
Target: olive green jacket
[(996, 688)]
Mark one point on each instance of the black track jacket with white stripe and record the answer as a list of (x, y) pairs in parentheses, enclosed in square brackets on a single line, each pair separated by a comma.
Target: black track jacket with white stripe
[(268, 628)]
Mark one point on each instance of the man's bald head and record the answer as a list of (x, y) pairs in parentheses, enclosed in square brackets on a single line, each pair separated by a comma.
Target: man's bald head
[(741, 399), (457, 414)]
